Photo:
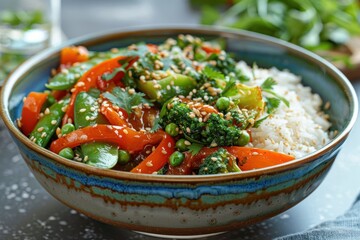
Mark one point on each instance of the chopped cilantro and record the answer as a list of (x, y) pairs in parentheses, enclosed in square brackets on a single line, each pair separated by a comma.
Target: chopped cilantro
[(212, 73), (272, 104), (156, 126), (122, 98), (268, 84), (258, 122), (195, 148)]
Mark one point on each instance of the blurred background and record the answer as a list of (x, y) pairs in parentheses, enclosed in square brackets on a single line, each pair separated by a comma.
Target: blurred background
[(330, 28)]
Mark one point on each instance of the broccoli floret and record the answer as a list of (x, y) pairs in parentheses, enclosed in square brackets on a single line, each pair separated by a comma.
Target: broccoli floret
[(180, 113), (218, 162), (210, 130), (244, 118), (221, 131), (227, 66)]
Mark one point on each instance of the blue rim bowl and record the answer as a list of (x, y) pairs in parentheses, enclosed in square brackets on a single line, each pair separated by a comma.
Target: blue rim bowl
[(185, 205)]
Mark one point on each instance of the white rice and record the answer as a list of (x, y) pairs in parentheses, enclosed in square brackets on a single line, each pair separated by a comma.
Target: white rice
[(296, 130)]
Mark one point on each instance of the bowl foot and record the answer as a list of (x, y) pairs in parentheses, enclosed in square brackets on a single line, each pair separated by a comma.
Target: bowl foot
[(179, 236)]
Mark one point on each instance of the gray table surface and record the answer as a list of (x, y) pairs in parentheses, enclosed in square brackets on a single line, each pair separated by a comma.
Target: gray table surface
[(27, 211)]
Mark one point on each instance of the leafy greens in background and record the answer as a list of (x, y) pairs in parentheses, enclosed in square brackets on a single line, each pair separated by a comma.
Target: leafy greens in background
[(318, 25)]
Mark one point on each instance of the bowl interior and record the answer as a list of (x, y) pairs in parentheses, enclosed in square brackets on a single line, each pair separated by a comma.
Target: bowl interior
[(266, 52)]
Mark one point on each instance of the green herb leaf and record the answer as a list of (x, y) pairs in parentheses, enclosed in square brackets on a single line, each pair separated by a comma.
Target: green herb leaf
[(258, 122), (212, 73), (123, 99), (284, 100), (156, 126), (195, 148), (272, 104), (268, 84), (230, 86)]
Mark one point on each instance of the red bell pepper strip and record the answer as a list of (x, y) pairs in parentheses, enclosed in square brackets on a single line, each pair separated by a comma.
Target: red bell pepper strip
[(30, 114), (209, 49), (73, 54), (152, 48), (158, 158), (114, 116), (126, 138), (59, 94), (248, 159), (255, 158), (89, 80)]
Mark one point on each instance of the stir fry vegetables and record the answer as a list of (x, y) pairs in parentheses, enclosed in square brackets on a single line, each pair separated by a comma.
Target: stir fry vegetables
[(181, 107)]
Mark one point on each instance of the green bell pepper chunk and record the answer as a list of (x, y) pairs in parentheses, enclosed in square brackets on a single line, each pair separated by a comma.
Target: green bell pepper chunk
[(169, 87)]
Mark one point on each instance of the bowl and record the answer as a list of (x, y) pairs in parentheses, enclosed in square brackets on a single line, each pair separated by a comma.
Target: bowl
[(185, 205)]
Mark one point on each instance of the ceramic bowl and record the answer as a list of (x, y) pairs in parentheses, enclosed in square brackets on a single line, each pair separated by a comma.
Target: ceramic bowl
[(185, 205)]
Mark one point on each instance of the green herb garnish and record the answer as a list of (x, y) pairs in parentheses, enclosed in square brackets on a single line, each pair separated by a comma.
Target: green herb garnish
[(123, 99)]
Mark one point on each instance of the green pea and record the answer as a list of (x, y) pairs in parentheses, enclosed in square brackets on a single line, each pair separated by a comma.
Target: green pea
[(124, 156), (172, 129), (67, 128), (50, 99), (180, 144), (244, 138), (67, 153), (176, 159), (223, 103)]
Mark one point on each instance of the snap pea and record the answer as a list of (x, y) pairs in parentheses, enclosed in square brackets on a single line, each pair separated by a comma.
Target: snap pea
[(98, 154), (67, 78), (47, 125)]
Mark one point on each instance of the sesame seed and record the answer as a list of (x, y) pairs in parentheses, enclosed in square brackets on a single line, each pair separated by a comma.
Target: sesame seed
[(19, 124), (213, 144), (327, 106), (126, 131), (69, 120), (131, 91), (87, 118), (169, 145), (63, 109), (86, 158), (213, 159), (149, 164), (82, 110), (187, 143), (47, 111), (43, 134), (53, 122), (188, 130), (254, 153), (53, 71), (40, 129), (58, 131)]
